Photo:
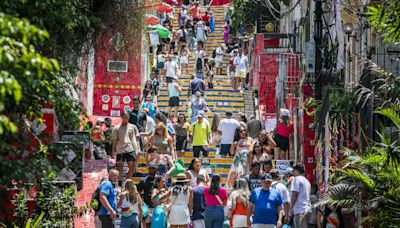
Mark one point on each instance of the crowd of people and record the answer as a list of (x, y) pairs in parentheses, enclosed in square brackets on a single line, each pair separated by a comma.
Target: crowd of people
[(255, 194)]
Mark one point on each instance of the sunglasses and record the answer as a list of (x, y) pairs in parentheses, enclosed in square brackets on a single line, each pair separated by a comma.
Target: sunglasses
[(241, 131)]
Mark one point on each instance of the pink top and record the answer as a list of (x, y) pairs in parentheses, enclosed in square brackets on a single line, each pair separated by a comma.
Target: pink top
[(211, 200), (284, 130)]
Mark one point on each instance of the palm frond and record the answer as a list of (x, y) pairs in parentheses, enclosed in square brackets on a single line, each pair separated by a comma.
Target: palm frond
[(391, 114)]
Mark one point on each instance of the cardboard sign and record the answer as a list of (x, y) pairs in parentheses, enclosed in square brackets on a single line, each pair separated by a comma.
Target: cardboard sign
[(282, 165)]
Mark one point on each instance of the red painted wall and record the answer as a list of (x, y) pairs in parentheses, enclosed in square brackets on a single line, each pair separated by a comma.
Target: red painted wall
[(116, 85)]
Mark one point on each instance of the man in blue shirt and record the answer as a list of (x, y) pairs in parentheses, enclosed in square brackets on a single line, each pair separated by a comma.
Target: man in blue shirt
[(265, 203), (107, 212)]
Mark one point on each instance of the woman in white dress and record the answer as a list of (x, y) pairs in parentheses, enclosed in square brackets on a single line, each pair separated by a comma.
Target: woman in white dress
[(194, 171), (183, 59), (182, 203), (241, 149)]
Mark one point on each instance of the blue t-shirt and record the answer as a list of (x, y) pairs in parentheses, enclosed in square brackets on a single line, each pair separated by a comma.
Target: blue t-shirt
[(107, 188), (265, 205), (199, 203)]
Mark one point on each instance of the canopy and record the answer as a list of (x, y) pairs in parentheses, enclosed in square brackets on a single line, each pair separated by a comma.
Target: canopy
[(164, 7), (152, 20), (161, 30)]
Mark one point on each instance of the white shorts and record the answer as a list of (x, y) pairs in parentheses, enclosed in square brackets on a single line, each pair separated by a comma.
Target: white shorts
[(184, 60), (199, 223), (239, 221)]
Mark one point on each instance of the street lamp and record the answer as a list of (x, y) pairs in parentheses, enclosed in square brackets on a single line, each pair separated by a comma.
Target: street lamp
[(348, 28)]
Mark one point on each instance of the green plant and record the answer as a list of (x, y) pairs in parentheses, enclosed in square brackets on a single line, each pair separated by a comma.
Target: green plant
[(370, 182), (21, 209), (385, 17)]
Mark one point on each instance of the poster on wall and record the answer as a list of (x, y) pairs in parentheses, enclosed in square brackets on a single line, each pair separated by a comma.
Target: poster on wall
[(115, 113), (282, 166), (115, 101)]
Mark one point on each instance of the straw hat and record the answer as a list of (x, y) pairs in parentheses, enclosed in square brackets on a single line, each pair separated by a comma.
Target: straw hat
[(181, 178)]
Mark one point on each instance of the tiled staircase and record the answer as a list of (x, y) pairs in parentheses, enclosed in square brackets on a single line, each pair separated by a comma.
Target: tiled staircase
[(219, 99)]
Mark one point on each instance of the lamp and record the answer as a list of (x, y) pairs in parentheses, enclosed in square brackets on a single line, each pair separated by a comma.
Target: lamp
[(269, 27), (348, 28)]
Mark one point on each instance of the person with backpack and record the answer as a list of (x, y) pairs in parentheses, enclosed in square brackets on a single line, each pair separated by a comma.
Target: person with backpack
[(201, 134), (107, 200), (283, 191), (218, 55), (182, 33)]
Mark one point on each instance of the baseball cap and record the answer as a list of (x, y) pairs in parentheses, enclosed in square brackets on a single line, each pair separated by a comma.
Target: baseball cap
[(228, 113), (200, 113), (266, 177)]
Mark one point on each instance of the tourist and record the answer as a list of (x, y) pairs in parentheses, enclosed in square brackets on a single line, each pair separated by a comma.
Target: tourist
[(170, 68), (196, 84), (183, 59), (195, 12), (227, 127), (241, 148), (283, 191), (182, 203), (258, 154), (182, 33), (197, 104), (206, 18), (199, 203), (266, 141), (243, 119), (182, 16), (226, 29), (136, 116), (216, 199), (231, 69), (300, 197), (313, 219), (155, 85), (159, 198), (265, 206), (284, 129), (255, 127), (108, 136), (181, 129), (254, 178), (201, 36), (200, 55), (163, 162), (194, 170), (161, 63), (145, 187), (219, 58), (162, 140), (201, 132), (161, 118), (208, 65), (216, 134), (241, 63), (108, 200), (267, 166), (149, 129), (191, 39), (174, 91), (239, 203), (130, 203), (171, 125), (150, 106), (148, 90), (98, 139), (125, 144), (211, 20)]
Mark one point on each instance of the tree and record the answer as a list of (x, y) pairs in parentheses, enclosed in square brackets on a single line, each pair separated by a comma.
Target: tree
[(371, 182), (385, 16)]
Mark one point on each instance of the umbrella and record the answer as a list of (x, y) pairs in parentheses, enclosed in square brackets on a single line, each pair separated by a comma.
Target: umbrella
[(161, 30), (152, 20), (164, 7)]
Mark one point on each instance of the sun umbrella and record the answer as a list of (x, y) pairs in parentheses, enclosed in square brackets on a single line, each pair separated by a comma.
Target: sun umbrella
[(152, 20), (161, 30), (164, 7)]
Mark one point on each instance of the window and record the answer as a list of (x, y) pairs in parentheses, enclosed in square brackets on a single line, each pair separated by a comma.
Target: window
[(117, 66)]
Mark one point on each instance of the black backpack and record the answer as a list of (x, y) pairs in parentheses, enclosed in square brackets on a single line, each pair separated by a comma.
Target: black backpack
[(214, 53), (95, 203)]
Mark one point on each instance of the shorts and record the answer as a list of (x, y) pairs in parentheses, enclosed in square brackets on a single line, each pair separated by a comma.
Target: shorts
[(281, 141), (160, 65), (184, 60), (180, 142), (169, 79), (240, 74), (173, 102), (225, 149), (217, 63), (128, 157), (198, 149), (182, 39)]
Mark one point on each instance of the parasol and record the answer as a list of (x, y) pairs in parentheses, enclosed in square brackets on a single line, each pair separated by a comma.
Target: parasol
[(164, 7), (152, 20), (161, 30)]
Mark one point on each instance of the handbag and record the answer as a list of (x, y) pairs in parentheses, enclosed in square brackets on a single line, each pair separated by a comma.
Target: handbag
[(179, 168)]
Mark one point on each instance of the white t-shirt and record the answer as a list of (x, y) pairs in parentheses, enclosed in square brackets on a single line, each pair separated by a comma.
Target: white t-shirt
[(228, 127), (301, 185), (170, 66), (200, 54), (241, 63), (283, 191), (220, 54), (150, 124)]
